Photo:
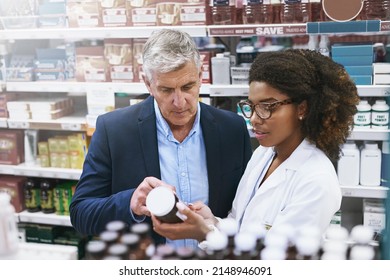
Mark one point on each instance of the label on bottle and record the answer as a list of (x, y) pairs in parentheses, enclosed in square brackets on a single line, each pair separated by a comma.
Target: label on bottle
[(380, 119), (362, 119)]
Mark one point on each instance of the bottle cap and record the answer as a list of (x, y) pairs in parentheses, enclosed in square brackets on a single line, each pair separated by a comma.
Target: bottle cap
[(308, 246), (244, 241), (273, 254), (216, 240), (337, 233), (219, 55), (258, 230), (229, 226), (160, 201), (362, 234)]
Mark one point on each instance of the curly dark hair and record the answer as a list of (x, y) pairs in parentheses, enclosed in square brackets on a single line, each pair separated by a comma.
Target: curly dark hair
[(329, 91)]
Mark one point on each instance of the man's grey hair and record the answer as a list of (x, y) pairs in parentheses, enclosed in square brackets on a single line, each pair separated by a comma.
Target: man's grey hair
[(168, 50)]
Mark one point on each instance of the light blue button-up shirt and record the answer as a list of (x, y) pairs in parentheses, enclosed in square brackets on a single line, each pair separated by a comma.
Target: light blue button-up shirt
[(183, 165)]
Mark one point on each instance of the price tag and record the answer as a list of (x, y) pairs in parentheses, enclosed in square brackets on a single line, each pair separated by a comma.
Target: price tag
[(18, 124), (71, 126)]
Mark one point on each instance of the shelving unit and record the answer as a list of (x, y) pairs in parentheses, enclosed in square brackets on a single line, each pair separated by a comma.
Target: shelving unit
[(77, 122)]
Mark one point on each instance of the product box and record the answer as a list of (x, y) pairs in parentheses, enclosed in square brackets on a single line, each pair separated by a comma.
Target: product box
[(11, 146), (354, 60), (91, 65), (119, 56), (374, 215), (84, 13), (382, 79), (359, 70), (205, 57), (52, 14), (352, 49), (113, 12), (50, 64), (362, 79), (381, 68), (138, 45), (141, 13), (13, 185)]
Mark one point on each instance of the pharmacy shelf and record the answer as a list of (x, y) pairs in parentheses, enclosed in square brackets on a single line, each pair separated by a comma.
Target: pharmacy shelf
[(370, 134), (42, 218), (130, 88), (374, 91), (74, 122), (42, 172), (364, 191), (93, 32), (242, 90)]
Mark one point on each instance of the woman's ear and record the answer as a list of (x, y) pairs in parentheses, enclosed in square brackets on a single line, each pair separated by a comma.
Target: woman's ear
[(302, 109)]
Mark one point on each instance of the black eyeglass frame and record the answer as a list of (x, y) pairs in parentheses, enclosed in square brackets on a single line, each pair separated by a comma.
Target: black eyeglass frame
[(269, 107)]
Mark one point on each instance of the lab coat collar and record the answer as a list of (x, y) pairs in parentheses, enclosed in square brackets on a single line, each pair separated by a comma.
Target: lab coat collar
[(292, 163)]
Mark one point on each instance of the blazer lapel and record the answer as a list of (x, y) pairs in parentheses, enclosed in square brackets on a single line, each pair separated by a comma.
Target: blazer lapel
[(148, 135)]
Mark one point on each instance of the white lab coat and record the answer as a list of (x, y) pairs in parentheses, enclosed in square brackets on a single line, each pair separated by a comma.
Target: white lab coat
[(302, 191)]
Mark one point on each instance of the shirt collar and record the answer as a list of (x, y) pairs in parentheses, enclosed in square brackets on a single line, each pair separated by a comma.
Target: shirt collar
[(165, 127)]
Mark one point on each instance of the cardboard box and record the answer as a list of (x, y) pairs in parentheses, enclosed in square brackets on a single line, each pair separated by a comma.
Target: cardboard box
[(11, 146), (13, 185)]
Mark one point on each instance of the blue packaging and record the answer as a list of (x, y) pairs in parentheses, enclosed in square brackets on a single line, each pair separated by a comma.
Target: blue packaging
[(359, 70), (354, 60)]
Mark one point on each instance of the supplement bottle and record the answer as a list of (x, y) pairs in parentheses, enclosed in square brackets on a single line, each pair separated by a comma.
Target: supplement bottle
[(222, 12), (376, 9), (370, 164), (220, 69), (47, 196), (362, 119), (257, 12), (295, 11), (348, 165), (385, 173), (8, 228), (380, 115), (32, 195), (245, 244), (161, 202)]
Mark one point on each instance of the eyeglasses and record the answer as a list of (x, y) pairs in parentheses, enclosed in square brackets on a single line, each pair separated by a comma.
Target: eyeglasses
[(263, 110)]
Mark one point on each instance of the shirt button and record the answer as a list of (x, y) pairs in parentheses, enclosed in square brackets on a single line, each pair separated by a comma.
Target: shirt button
[(183, 174)]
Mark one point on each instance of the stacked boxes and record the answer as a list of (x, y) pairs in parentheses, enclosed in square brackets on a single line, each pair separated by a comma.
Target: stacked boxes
[(357, 60), (63, 151), (40, 108), (381, 73)]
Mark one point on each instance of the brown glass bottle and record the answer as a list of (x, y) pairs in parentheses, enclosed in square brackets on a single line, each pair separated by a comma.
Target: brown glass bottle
[(161, 202), (47, 196), (32, 195)]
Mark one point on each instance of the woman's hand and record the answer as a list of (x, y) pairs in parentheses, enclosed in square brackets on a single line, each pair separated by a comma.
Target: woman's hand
[(197, 219)]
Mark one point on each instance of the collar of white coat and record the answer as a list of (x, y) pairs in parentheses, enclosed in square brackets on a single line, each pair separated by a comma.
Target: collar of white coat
[(299, 156)]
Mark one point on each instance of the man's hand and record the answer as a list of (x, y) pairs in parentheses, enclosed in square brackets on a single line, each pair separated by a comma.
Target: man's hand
[(138, 200), (194, 226)]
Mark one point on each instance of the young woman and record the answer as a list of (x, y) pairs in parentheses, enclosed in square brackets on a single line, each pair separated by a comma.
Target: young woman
[(301, 105)]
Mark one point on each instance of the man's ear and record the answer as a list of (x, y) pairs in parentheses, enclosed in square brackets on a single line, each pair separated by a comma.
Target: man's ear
[(147, 84)]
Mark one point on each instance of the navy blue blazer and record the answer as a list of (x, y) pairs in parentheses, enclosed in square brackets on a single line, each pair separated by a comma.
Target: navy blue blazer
[(123, 151)]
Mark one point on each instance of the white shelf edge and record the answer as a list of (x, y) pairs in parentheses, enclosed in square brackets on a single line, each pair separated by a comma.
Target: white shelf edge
[(370, 134), (374, 90), (131, 88), (44, 172), (42, 218), (94, 32), (47, 172), (364, 191)]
